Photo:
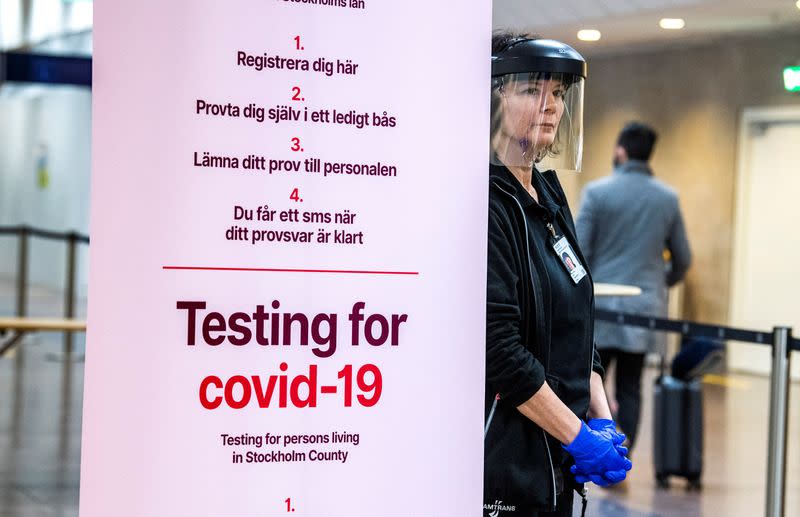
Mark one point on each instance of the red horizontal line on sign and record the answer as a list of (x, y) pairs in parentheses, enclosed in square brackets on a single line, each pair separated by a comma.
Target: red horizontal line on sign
[(285, 270)]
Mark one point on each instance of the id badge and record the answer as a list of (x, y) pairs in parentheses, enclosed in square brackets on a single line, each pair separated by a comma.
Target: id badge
[(569, 260)]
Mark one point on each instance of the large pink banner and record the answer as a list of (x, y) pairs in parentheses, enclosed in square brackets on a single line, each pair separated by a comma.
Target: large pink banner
[(287, 290)]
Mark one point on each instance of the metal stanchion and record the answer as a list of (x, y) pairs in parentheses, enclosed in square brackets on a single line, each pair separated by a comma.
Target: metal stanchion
[(69, 293), (22, 273), (778, 423)]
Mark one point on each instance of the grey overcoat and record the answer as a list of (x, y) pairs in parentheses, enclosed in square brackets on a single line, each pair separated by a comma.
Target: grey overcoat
[(626, 221)]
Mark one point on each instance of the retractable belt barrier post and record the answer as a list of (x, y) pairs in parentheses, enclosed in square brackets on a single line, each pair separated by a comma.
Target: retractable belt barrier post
[(23, 234), (782, 344), (69, 292), (22, 273), (778, 422)]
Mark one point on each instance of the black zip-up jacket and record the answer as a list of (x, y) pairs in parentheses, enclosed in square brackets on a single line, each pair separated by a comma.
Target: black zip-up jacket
[(523, 465)]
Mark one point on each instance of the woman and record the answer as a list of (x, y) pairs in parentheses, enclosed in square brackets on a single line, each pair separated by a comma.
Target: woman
[(543, 375)]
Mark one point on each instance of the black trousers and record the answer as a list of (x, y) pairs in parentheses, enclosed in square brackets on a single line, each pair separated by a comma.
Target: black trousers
[(628, 388)]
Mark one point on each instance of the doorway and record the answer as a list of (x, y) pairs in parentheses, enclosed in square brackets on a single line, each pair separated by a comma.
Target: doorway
[(765, 284)]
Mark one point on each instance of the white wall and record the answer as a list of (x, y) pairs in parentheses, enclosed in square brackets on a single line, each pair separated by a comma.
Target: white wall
[(60, 118), (764, 283)]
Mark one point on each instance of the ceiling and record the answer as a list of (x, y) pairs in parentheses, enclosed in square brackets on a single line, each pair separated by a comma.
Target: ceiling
[(64, 26), (632, 25)]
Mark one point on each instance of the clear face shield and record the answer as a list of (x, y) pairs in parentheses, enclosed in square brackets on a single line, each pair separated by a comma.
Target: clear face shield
[(537, 120)]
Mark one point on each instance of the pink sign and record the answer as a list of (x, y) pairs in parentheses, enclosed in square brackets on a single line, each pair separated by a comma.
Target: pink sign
[(288, 260)]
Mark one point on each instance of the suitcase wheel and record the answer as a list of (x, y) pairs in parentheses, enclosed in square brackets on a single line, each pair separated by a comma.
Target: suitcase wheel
[(695, 485), (662, 482)]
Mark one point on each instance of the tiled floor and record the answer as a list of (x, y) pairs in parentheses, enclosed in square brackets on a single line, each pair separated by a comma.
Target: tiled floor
[(40, 423), (734, 478)]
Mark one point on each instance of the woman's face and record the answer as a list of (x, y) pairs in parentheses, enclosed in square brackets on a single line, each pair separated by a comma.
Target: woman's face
[(532, 110)]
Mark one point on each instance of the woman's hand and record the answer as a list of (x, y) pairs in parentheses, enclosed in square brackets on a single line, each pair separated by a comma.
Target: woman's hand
[(597, 458)]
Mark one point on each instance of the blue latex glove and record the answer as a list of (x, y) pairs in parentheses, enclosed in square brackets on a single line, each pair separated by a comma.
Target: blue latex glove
[(608, 428), (597, 458)]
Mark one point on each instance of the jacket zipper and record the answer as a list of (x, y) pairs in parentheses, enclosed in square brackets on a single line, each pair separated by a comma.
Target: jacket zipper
[(491, 416), (535, 301)]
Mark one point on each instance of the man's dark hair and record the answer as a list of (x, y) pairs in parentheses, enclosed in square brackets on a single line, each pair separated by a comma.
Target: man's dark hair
[(638, 140)]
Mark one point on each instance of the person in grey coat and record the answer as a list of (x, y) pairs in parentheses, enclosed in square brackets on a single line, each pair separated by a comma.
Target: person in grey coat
[(626, 222)]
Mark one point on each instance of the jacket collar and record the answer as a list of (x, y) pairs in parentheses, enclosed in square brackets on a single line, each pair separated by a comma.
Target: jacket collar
[(505, 179), (634, 166)]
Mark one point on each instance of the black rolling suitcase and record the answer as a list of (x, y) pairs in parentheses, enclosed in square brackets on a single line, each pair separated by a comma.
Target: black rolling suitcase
[(678, 430)]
